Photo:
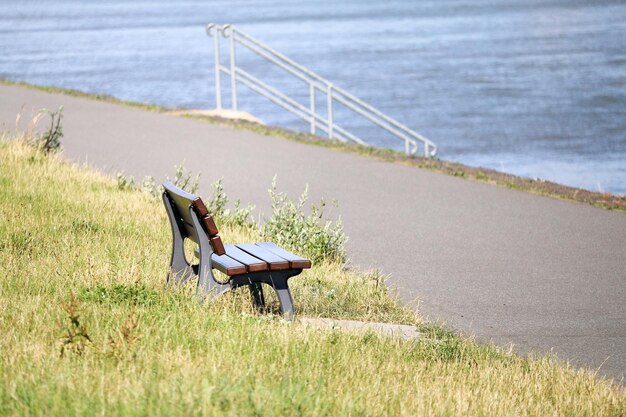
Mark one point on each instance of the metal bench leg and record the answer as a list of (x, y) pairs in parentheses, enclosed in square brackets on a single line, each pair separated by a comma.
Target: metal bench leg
[(258, 299), (279, 283), (207, 285), (180, 271)]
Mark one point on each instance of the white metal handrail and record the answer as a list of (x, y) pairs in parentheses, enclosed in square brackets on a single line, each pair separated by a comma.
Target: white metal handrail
[(316, 83)]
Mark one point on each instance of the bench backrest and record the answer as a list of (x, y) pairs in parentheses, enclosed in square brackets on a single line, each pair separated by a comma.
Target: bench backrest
[(181, 201)]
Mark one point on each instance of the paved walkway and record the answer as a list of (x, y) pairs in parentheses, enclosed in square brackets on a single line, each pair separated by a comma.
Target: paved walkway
[(504, 265)]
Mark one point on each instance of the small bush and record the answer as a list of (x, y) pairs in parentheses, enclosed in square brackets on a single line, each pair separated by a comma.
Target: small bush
[(217, 204), (238, 216), (149, 185), (183, 179), (125, 182), (311, 234)]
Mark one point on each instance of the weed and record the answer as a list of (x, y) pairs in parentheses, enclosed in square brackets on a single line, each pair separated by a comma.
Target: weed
[(76, 339), (28, 134), (241, 217), (289, 226), (51, 140), (238, 216), (149, 185), (311, 234), (47, 142), (185, 180), (126, 337), (125, 182), (217, 204)]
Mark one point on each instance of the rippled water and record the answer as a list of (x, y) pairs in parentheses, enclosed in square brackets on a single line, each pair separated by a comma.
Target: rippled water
[(535, 88)]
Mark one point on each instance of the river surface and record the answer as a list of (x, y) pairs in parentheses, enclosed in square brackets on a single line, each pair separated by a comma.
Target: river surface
[(533, 88)]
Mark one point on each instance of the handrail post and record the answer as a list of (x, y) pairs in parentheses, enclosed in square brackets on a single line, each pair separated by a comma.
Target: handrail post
[(233, 73), (312, 106), (218, 81), (329, 103), (412, 140)]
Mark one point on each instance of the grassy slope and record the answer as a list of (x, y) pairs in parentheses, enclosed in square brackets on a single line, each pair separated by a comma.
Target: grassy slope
[(491, 176), (67, 228)]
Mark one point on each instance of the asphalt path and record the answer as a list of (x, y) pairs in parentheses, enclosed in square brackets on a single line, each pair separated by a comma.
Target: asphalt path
[(503, 265)]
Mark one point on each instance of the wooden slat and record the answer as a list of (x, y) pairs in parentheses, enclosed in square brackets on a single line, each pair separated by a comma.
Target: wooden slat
[(227, 265), (295, 261), (209, 226), (207, 221), (276, 262), (252, 263), (201, 209), (217, 245)]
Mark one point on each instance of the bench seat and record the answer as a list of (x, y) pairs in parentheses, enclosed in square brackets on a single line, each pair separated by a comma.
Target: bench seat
[(245, 258)]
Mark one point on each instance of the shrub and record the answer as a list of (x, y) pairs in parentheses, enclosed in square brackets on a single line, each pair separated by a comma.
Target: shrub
[(311, 234), (125, 182), (238, 216), (183, 179)]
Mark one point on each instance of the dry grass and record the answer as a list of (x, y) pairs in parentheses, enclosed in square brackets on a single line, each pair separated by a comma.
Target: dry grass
[(156, 352)]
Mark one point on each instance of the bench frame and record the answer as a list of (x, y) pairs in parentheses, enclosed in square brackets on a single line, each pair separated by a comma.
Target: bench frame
[(181, 271)]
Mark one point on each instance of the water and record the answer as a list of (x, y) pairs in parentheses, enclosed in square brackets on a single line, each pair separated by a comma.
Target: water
[(531, 87)]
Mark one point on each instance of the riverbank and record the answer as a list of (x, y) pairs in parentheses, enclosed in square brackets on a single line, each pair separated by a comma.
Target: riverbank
[(535, 186), (489, 261), (96, 333)]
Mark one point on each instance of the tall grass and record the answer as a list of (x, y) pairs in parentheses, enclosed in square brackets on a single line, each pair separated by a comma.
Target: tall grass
[(122, 345)]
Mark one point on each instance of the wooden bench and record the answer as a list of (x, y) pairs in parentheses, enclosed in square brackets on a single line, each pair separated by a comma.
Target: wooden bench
[(243, 264)]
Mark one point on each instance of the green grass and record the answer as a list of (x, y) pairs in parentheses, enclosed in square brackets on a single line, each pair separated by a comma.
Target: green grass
[(530, 185), (134, 348)]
